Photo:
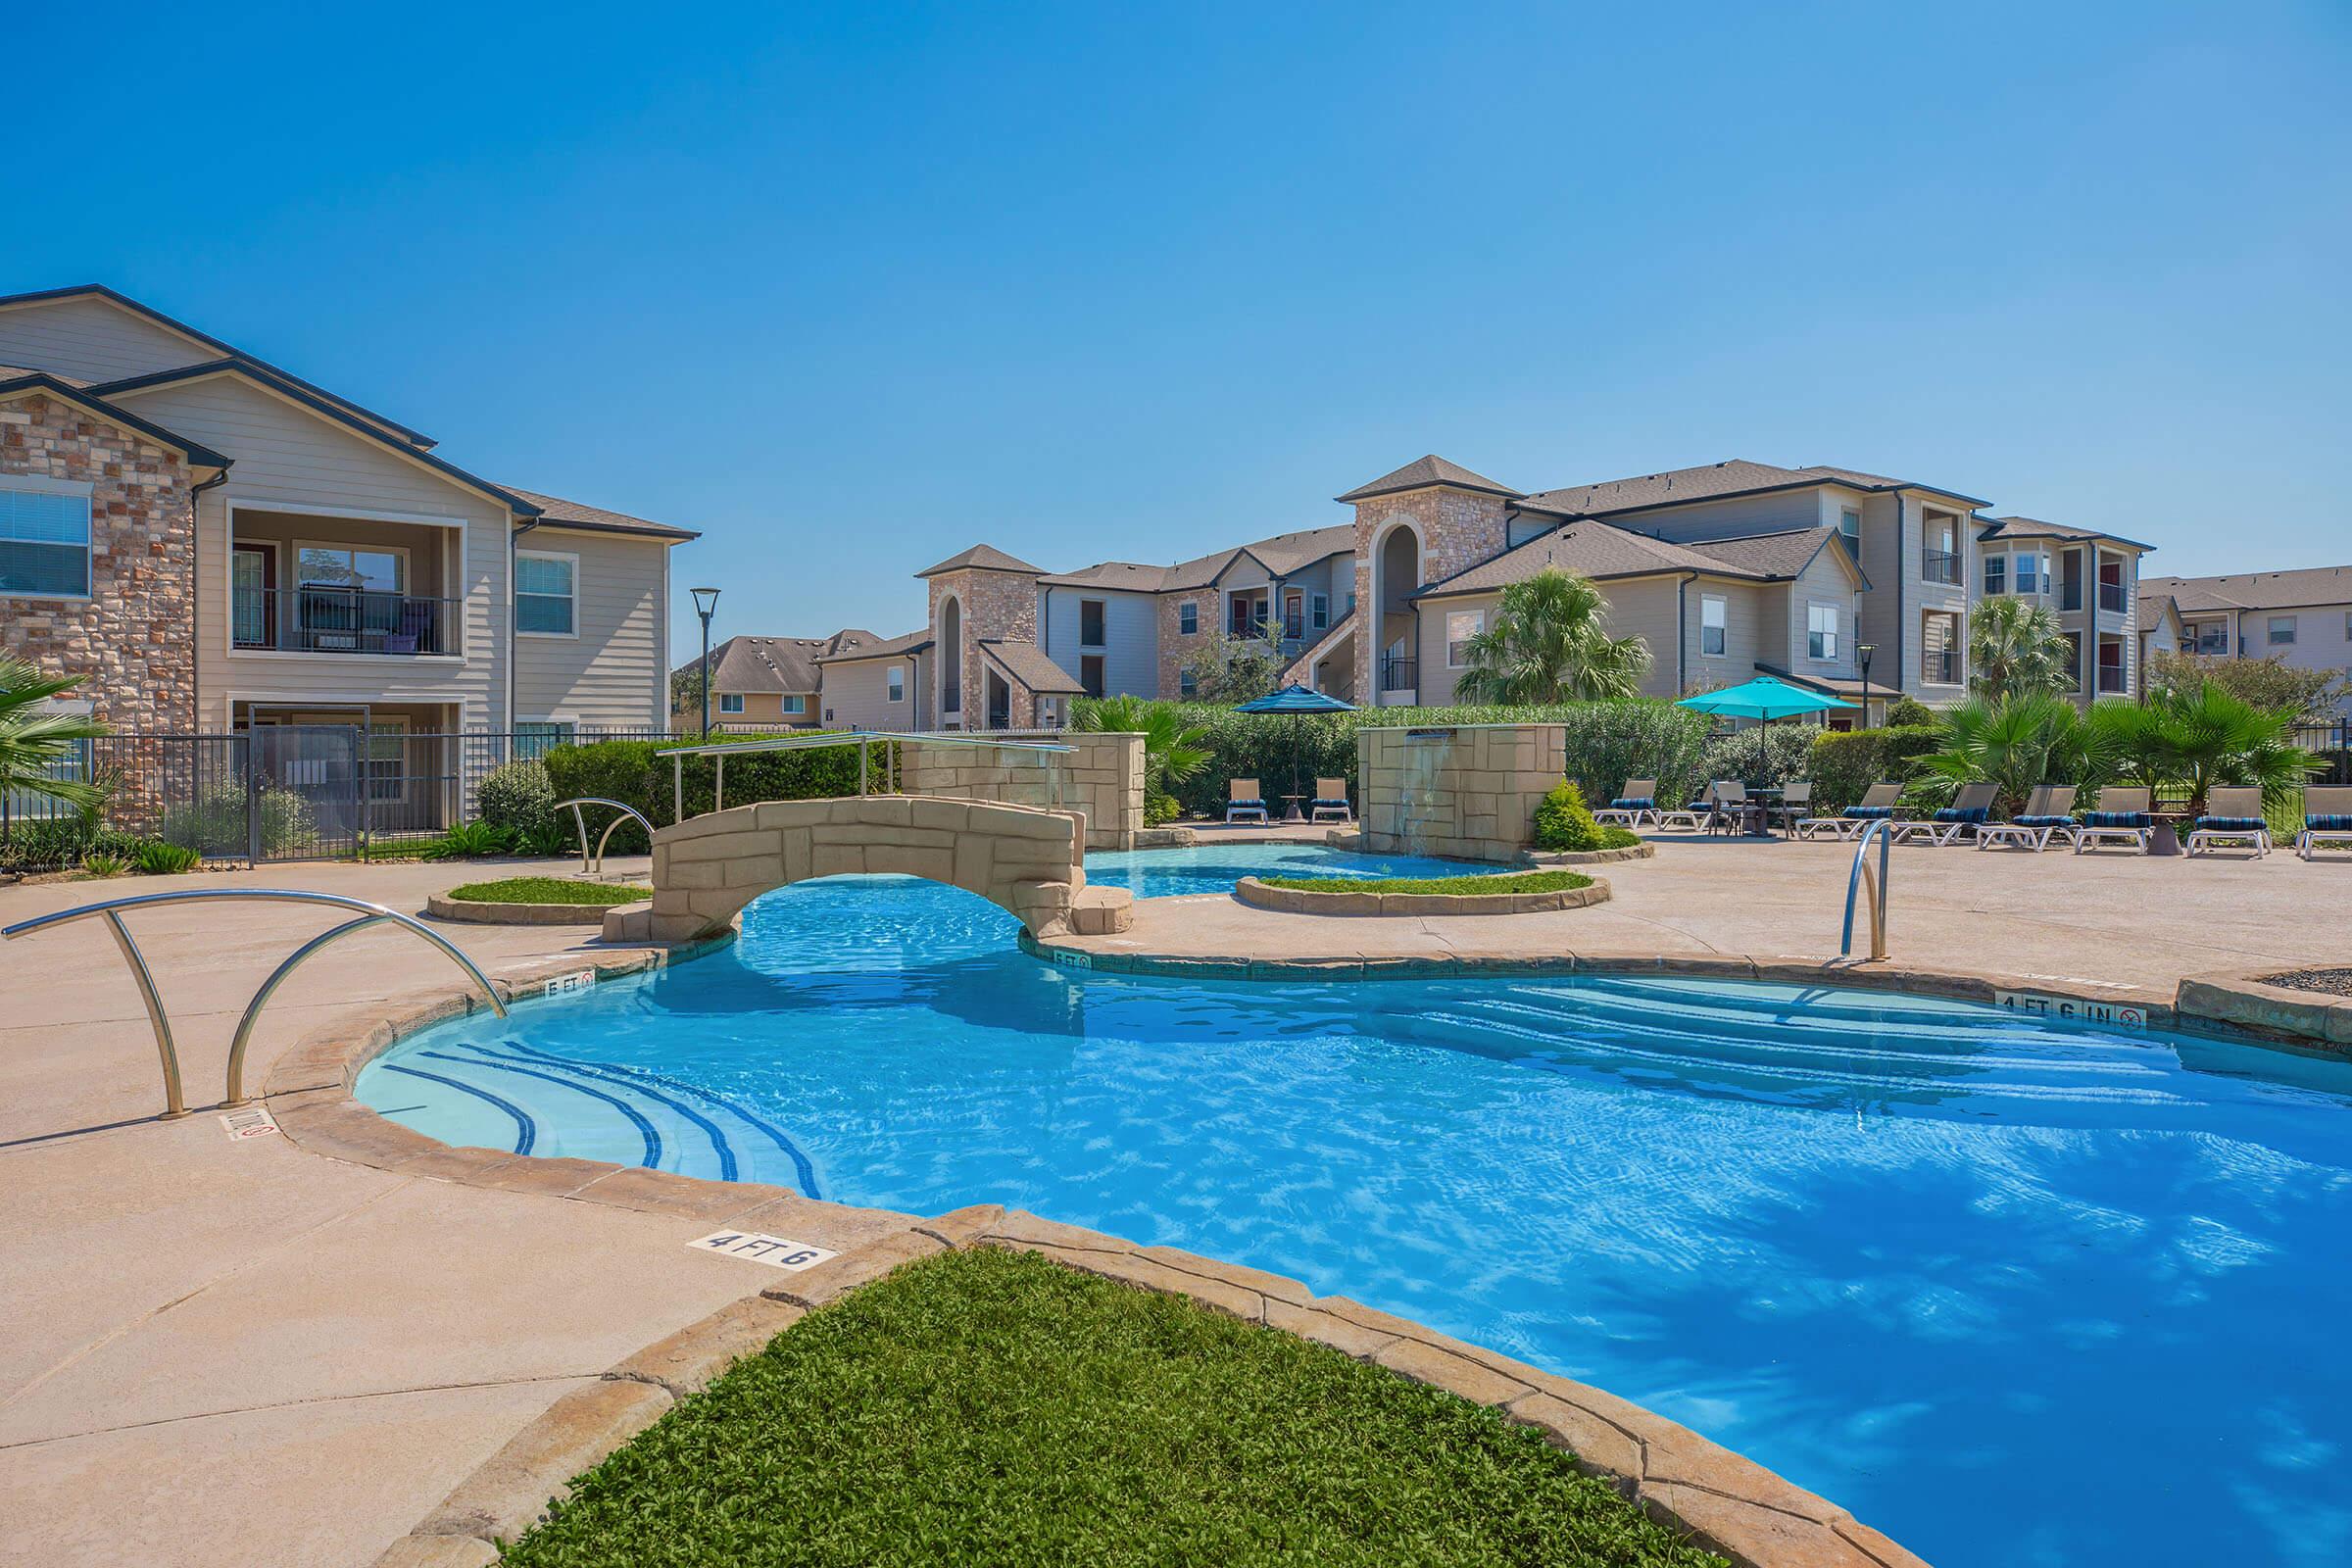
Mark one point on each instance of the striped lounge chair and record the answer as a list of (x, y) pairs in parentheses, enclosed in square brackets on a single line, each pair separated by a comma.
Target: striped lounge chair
[(2049, 812), (1331, 802), (1877, 805), (2326, 818), (1639, 800), (1965, 815), (2120, 817), (2231, 816), (1243, 799)]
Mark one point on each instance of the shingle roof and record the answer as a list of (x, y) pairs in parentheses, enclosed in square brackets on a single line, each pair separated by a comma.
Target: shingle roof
[(9, 372), (1281, 555), (16, 382), (1029, 664), (1422, 473), (1128, 577), (2256, 590), (1770, 554), (912, 642), (1591, 548), (774, 663), (556, 511), (981, 558), (1710, 481), (2036, 528)]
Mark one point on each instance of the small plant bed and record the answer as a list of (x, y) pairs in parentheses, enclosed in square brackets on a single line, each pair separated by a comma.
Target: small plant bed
[(1449, 886), (994, 1408), (533, 900), (1485, 893)]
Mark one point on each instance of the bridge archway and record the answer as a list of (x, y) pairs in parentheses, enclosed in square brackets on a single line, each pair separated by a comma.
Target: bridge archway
[(1025, 859)]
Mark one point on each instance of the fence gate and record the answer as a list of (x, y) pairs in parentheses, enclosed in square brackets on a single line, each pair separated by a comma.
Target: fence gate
[(306, 790)]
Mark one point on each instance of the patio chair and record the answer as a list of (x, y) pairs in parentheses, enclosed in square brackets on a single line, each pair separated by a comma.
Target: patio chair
[(2233, 815), (1331, 796), (1727, 807), (1243, 799), (2326, 818), (1878, 803), (2120, 817), (2049, 812), (1639, 800), (1795, 803), (1965, 815)]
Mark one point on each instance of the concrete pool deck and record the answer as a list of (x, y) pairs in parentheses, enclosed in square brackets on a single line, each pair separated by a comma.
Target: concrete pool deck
[(216, 1350)]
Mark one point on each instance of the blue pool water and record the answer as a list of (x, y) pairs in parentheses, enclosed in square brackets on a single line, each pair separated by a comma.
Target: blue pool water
[(2017, 1293), (1216, 867)]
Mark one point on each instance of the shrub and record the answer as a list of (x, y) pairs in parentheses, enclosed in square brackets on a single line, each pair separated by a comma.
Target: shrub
[(1564, 822), (1909, 713), (468, 841), (1160, 809), (104, 865), (155, 857), (1787, 751), (520, 798), (213, 823), (629, 772), (61, 843), (1845, 763)]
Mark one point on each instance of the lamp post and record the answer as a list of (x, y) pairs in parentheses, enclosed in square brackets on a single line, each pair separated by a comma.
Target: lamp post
[(1865, 650), (706, 605)]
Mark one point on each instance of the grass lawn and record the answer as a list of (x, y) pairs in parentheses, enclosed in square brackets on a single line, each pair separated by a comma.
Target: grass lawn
[(993, 1407), (1477, 882), (550, 890)]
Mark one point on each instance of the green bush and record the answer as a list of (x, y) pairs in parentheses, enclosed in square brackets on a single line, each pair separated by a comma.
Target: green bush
[(1909, 713), (630, 772), (61, 843), (1846, 763), (213, 823), (155, 857), (1564, 822), (1160, 810), (469, 841), (520, 798), (1787, 751), (103, 865)]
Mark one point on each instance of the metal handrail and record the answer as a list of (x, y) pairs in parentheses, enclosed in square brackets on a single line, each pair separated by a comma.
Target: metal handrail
[(175, 1101), (588, 866), (1883, 829)]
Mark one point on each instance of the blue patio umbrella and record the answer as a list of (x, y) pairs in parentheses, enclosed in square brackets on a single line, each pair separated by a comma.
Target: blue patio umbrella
[(1298, 701), (1765, 699)]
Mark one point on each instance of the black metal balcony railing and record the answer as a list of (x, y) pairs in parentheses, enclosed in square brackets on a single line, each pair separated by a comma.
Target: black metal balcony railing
[(2070, 595), (2111, 679), (1941, 668), (1941, 565), (1400, 674), (324, 619), (2111, 597)]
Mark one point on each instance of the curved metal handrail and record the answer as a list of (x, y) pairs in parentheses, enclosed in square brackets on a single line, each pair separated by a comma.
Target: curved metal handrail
[(591, 867), (110, 910), (1883, 829)]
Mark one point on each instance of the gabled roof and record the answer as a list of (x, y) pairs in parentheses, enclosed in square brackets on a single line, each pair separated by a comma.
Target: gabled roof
[(15, 382), (2293, 589), (1714, 481), (1115, 577), (774, 663), (1029, 664), (224, 350), (1422, 473), (2036, 528), (1593, 547), (299, 392), (1775, 555), (1282, 555), (982, 558), (556, 511), (912, 642)]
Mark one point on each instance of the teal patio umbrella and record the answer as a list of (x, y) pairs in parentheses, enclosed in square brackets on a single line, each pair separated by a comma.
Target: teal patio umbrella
[(1765, 699), (1300, 702)]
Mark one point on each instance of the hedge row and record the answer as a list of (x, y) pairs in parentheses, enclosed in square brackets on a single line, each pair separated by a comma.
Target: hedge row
[(629, 772)]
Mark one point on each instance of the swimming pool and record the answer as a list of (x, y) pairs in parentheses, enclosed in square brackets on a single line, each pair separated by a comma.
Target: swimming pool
[(1216, 867), (2016, 1293)]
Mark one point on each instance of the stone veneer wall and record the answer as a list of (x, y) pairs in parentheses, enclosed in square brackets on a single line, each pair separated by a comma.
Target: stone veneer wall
[(995, 604), (1465, 794), (1174, 646), (1102, 778), (134, 638), (1459, 528)]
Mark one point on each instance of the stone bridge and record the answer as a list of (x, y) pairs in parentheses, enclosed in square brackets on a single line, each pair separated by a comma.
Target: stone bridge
[(1024, 859)]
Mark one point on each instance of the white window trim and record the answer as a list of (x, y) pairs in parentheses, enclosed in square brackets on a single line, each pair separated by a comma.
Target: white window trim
[(784, 700), (1445, 626), (386, 724), (1318, 612), (1192, 604), (522, 556), (1723, 608), (1836, 631), (2271, 636), (724, 698), (889, 696), (41, 484)]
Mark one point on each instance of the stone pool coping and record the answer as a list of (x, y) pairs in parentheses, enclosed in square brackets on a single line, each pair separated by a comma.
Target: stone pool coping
[(1258, 894), (1735, 1506)]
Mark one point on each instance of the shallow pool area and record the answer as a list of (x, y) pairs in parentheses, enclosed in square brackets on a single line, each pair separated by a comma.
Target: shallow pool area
[(1216, 867), (2015, 1292)]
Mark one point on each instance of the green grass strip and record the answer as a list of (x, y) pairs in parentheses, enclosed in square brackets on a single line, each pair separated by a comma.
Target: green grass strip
[(994, 1407), (1481, 882), (550, 890)]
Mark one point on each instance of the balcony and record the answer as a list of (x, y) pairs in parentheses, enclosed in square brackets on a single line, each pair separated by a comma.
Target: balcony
[(1941, 668), (2111, 597), (2111, 680), (319, 618), (1941, 565), (1400, 674)]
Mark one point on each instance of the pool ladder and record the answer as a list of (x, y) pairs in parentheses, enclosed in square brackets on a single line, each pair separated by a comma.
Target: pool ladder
[(1861, 877), (595, 866)]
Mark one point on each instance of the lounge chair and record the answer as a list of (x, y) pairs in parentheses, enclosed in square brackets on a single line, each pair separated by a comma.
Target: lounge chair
[(1878, 803), (1967, 813), (2233, 815), (1243, 800), (1795, 803), (2326, 818), (2049, 812), (1331, 796), (1727, 807), (1639, 800), (2122, 816)]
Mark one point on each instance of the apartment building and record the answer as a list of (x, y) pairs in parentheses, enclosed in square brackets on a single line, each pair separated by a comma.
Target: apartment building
[(766, 684), (217, 544), (2302, 616), (2089, 581)]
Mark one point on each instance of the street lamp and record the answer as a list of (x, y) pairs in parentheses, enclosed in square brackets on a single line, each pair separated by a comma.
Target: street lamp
[(706, 605), (1865, 650)]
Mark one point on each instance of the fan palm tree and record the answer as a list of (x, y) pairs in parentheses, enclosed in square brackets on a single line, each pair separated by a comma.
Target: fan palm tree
[(33, 743), (2016, 650), (2024, 740), (1173, 753), (2205, 736), (1547, 641)]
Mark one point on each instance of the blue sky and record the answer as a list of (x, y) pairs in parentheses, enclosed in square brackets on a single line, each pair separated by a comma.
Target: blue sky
[(851, 287)]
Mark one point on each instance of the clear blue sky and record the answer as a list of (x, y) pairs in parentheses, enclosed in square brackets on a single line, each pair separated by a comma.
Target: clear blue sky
[(851, 287)]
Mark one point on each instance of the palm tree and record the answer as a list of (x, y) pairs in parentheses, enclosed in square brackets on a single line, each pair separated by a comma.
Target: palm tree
[(1172, 751), (2016, 650), (2205, 736), (33, 743), (1547, 643), (2024, 740)]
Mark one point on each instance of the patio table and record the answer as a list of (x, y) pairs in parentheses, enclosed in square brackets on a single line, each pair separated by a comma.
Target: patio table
[(1294, 814), (2163, 837)]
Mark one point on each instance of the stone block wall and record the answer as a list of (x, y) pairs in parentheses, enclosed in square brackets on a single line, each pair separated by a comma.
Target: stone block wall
[(134, 638), (993, 603), (1102, 778), (1467, 793), (1458, 529)]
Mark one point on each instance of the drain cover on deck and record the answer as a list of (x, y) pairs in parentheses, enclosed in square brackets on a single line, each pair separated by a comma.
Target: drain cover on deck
[(773, 1251)]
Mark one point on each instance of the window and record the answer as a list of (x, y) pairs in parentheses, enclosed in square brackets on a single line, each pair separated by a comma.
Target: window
[(1090, 622), (389, 760), (1939, 647), (545, 587), (1821, 631), (1850, 528), (536, 737), (730, 702), (1352, 601), (794, 705), (1322, 612), (1460, 626), (2028, 573), (1941, 561), (1188, 684), (1996, 574), (2282, 630), (1090, 673), (1187, 618), (1711, 624), (44, 537), (896, 676)]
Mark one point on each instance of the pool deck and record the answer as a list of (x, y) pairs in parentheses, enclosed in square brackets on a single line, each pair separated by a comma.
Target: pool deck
[(236, 1351)]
